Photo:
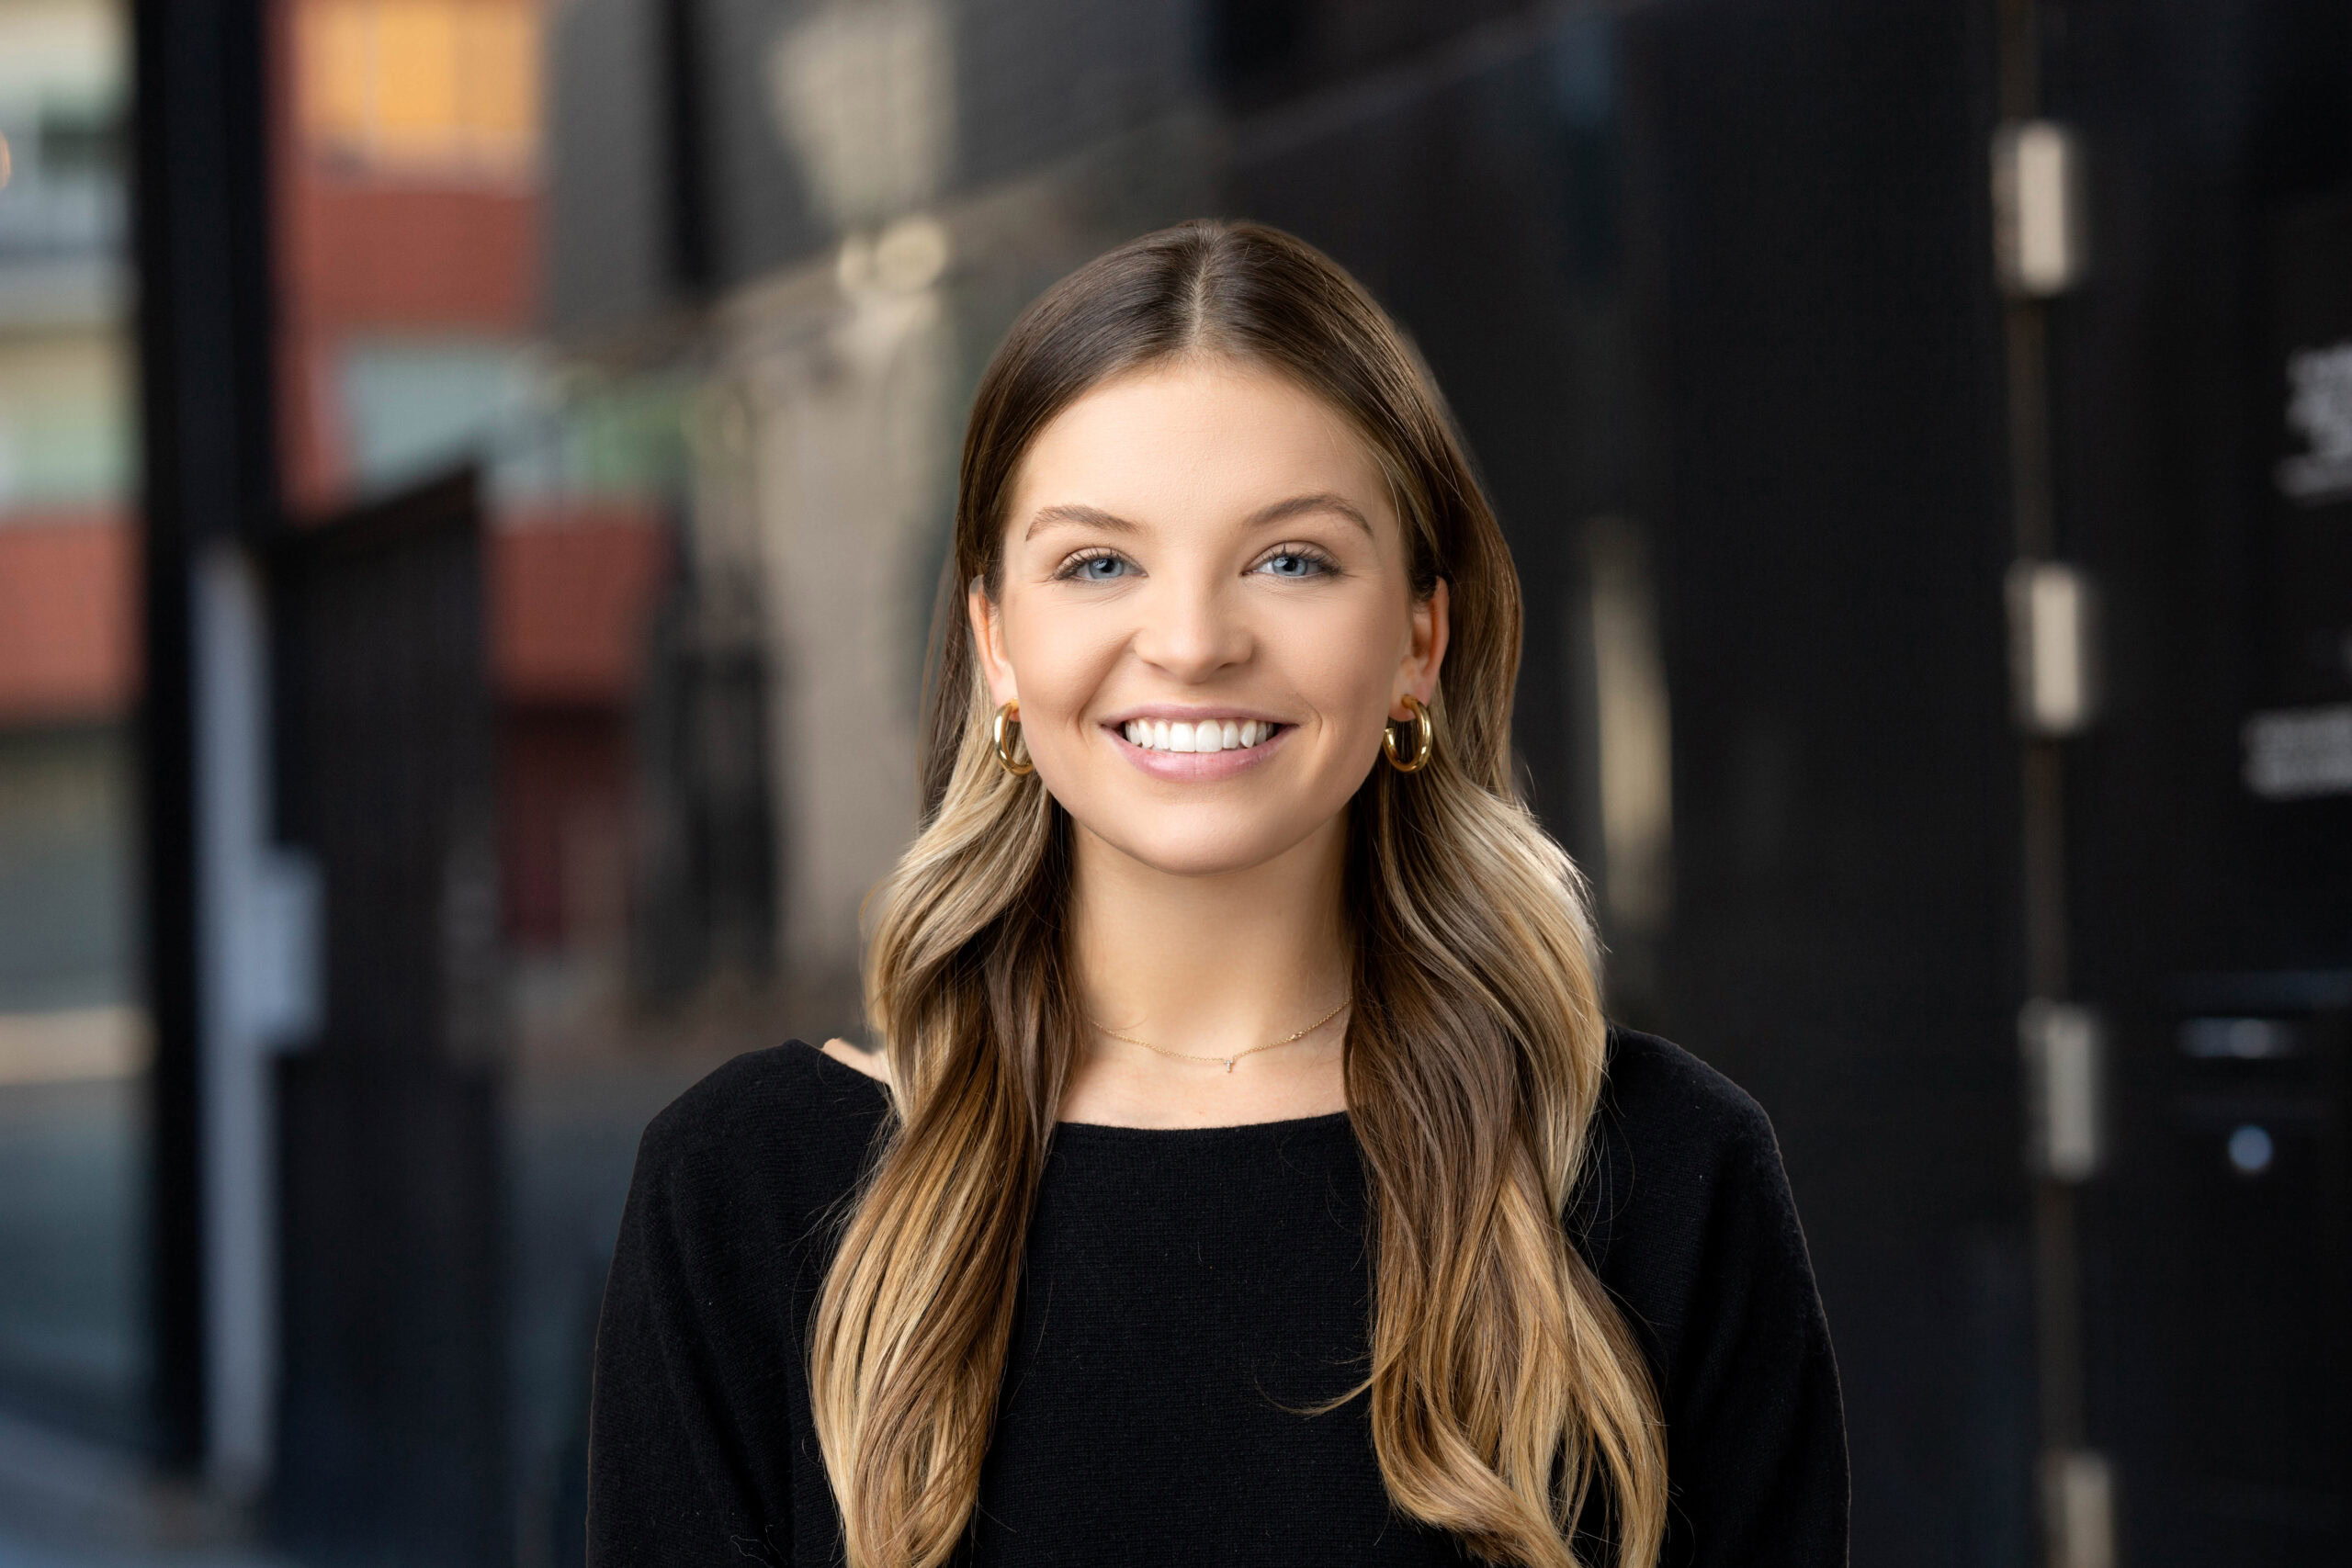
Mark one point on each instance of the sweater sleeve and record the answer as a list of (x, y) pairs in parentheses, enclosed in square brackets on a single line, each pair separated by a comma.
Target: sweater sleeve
[(1756, 1436), (678, 1470)]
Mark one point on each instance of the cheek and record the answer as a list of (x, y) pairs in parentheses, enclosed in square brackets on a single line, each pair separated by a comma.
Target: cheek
[(1061, 660), (1346, 660)]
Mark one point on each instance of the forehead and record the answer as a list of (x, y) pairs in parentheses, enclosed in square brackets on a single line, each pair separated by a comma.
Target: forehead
[(1196, 441)]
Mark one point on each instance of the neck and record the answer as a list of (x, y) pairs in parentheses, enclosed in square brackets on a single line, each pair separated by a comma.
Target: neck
[(1209, 965)]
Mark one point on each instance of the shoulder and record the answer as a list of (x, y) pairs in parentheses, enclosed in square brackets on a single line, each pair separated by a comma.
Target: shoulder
[(783, 1130), (1683, 1201), (1659, 1096), (1687, 1217), (795, 1088), (1673, 1140)]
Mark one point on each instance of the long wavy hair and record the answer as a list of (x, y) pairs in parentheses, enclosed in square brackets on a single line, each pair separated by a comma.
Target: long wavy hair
[(1510, 1403)]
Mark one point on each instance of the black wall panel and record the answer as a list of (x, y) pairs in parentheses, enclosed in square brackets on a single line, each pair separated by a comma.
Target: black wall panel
[(393, 1423), (1844, 942)]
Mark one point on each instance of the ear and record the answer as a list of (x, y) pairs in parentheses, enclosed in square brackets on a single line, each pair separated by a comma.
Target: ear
[(1417, 672), (988, 643)]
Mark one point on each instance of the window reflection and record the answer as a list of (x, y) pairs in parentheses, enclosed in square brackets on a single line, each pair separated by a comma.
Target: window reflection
[(74, 1036)]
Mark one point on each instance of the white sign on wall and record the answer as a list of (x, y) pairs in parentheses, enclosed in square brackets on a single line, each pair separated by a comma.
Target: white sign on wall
[(2296, 753), (2319, 410)]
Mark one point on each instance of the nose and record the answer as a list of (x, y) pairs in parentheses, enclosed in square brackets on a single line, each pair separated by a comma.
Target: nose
[(1191, 629)]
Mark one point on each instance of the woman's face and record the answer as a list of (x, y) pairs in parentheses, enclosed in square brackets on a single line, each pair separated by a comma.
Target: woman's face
[(1205, 614)]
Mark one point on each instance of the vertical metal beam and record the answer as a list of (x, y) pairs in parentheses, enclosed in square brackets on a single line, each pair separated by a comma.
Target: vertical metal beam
[(2075, 1497), (201, 253), (691, 230)]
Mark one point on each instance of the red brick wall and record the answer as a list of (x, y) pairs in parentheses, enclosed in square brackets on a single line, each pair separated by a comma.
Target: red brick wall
[(69, 622)]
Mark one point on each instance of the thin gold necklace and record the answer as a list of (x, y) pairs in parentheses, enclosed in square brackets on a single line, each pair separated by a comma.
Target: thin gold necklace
[(1228, 1061)]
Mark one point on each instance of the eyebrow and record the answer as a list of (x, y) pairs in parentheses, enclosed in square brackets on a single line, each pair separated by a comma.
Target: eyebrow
[(1298, 506)]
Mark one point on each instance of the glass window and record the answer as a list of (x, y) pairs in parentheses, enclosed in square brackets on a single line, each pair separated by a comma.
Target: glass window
[(73, 1037)]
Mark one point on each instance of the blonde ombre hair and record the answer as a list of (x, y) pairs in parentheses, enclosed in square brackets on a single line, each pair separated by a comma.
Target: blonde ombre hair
[(1505, 1391)]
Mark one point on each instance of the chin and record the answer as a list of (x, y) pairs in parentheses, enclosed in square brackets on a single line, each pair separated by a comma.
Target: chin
[(1200, 849)]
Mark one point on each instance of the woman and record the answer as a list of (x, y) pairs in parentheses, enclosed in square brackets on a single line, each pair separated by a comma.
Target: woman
[(1248, 1174)]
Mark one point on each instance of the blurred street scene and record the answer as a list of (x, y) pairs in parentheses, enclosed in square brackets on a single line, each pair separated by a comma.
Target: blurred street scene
[(474, 481)]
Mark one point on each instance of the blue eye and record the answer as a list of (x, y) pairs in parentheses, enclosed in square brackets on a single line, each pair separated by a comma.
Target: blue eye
[(1305, 564), (1308, 564), (1081, 566)]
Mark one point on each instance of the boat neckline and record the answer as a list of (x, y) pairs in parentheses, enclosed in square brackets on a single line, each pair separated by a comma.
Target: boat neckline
[(1121, 1130)]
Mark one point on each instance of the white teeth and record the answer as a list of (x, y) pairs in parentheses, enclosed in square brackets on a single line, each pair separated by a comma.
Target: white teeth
[(1209, 734)]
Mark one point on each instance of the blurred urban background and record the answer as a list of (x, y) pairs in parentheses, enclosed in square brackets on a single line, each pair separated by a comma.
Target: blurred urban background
[(474, 476)]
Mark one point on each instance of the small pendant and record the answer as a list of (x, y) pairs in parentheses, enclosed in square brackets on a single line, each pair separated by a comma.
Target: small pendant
[(1228, 1064)]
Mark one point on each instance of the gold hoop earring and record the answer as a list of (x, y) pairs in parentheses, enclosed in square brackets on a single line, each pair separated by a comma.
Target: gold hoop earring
[(1424, 739), (1009, 716)]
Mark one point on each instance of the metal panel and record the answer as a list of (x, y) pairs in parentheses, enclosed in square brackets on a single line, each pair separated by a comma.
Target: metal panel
[(392, 1429), (209, 466)]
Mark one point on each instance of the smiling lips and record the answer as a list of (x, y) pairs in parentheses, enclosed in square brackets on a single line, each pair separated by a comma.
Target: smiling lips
[(1208, 735), (1208, 749)]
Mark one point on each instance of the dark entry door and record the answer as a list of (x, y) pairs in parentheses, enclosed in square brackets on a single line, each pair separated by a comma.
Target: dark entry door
[(393, 1392)]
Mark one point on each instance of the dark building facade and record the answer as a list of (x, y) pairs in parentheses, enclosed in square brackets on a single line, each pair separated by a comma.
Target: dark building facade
[(1812, 494)]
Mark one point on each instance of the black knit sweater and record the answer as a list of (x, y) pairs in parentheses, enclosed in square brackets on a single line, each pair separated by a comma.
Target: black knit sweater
[(1182, 1286)]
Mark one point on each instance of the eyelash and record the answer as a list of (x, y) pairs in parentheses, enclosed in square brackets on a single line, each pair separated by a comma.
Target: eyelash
[(1070, 568)]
